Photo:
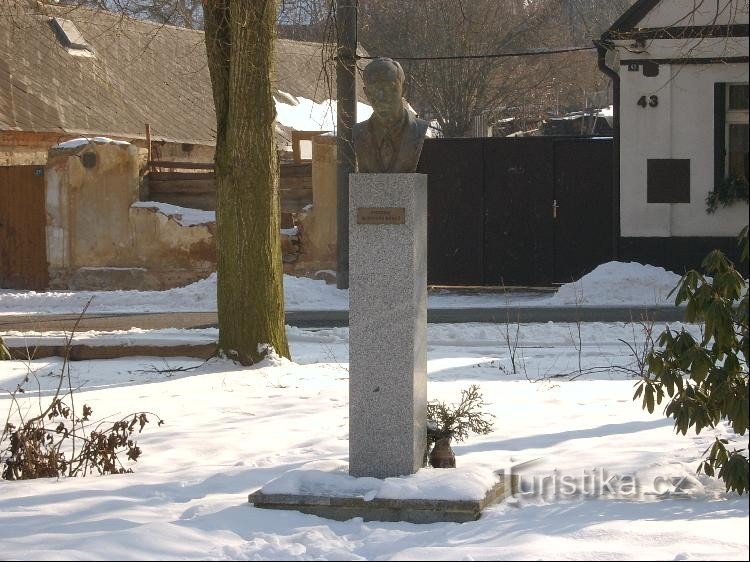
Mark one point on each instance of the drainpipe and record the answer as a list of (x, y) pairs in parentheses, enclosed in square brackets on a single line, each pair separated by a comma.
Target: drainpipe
[(601, 49)]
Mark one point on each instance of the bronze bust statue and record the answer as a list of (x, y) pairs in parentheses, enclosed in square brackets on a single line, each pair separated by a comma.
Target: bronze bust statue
[(390, 141)]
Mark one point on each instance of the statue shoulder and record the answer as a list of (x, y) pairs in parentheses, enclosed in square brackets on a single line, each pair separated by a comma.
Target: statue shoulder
[(417, 127)]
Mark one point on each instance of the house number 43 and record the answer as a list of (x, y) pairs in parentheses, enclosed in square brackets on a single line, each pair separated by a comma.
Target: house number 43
[(651, 101)]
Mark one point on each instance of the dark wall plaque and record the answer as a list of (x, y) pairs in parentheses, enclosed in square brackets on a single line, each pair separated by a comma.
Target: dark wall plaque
[(381, 215), (650, 68), (668, 180)]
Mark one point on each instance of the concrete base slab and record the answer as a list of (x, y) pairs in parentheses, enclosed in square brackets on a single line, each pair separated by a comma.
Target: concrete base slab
[(341, 508)]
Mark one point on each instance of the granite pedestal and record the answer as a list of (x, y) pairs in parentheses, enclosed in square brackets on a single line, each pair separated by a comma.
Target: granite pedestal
[(387, 323), (342, 507)]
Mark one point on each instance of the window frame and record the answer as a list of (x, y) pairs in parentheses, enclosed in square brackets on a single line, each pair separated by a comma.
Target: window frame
[(732, 117)]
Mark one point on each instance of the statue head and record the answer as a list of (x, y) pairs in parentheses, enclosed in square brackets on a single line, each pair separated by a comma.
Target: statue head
[(383, 85), (383, 82)]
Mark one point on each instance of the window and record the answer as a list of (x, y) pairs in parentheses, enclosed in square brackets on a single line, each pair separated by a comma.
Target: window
[(736, 132), (730, 132), (302, 142), (68, 34)]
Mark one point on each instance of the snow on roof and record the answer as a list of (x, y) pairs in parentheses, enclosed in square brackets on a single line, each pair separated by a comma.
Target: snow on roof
[(308, 115), (83, 141), (141, 73)]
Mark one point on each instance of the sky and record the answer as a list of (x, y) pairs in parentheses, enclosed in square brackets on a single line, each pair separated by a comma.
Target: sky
[(282, 424)]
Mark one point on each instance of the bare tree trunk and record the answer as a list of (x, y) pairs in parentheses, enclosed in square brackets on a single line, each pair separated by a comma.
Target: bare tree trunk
[(240, 41)]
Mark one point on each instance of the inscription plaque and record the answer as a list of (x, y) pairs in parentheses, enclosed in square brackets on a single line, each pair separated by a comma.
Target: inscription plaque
[(381, 215)]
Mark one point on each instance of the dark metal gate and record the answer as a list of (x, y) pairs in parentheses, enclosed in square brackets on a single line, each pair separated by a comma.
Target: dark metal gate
[(518, 211), (455, 205)]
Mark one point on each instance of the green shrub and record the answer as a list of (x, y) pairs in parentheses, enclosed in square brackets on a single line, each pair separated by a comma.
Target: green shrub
[(457, 421), (706, 380), (728, 192)]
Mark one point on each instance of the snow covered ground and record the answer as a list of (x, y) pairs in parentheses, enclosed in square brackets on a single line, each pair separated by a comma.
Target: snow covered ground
[(609, 481), (613, 283), (230, 430)]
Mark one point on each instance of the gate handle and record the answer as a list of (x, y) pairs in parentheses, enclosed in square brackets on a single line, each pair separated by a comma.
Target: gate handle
[(555, 206)]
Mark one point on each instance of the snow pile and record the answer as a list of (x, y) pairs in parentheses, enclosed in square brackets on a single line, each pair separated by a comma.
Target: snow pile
[(131, 337), (300, 293), (183, 215), (613, 283), (620, 283), (331, 478)]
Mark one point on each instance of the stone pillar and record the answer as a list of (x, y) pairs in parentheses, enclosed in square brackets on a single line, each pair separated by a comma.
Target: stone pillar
[(90, 188), (324, 196), (387, 323)]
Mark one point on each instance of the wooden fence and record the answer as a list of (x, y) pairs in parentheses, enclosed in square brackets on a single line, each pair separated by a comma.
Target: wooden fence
[(193, 185)]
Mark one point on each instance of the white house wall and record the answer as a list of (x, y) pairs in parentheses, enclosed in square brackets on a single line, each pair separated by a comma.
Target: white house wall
[(681, 13), (644, 133), (681, 126), (685, 48), (692, 137)]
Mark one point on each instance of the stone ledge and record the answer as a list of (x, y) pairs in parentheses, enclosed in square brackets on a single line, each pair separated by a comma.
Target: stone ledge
[(341, 508), (82, 352)]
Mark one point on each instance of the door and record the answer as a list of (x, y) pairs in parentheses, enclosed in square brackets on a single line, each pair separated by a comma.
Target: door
[(23, 241), (518, 211), (455, 231), (518, 239), (582, 207)]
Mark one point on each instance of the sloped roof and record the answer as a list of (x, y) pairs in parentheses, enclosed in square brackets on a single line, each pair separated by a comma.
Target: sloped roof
[(139, 73), (699, 21), (632, 16)]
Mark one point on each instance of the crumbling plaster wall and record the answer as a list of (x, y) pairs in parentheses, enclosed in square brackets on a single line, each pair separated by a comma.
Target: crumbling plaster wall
[(96, 240), (175, 254), (19, 148)]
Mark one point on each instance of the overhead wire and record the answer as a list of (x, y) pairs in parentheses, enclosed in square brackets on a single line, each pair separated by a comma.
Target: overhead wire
[(530, 53)]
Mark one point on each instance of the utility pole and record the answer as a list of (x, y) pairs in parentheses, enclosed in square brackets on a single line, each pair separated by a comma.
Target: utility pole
[(346, 116)]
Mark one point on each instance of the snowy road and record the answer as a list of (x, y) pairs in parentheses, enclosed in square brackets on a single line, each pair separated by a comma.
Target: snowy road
[(337, 318)]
